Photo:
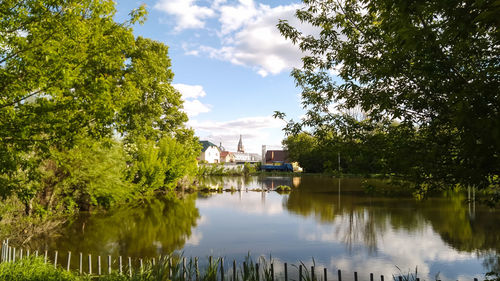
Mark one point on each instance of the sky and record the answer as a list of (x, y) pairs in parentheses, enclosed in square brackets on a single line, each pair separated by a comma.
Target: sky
[(231, 65)]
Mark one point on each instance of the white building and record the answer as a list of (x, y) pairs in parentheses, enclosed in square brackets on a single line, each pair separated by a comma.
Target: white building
[(209, 153)]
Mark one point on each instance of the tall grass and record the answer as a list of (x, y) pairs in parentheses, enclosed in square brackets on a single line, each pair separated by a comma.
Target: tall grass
[(176, 268), (34, 269)]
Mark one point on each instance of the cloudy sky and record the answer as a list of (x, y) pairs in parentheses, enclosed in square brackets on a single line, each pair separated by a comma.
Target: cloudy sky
[(230, 62)]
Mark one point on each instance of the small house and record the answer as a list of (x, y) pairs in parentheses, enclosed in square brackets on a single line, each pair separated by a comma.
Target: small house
[(210, 153)]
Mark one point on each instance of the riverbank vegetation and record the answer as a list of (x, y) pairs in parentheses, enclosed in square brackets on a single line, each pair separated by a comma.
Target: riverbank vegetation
[(175, 268), (417, 95), (221, 169), (88, 116)]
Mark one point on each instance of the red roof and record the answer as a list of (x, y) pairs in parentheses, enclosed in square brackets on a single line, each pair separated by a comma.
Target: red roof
[(225, 153)]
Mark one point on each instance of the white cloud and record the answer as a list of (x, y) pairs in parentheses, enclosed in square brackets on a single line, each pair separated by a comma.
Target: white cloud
[(195, 238), (190, 91), (254, 131), (249, 37), (195, 107), (188, 14), (246, 29), (246, 125), (190, 95)]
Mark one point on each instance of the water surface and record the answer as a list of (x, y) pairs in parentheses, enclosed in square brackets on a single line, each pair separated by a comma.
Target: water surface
[(336, 222)]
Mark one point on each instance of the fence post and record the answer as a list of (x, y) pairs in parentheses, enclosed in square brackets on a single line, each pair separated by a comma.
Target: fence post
[(170, 267), (286, 272), (244, 269), (14, 255), (184, 268), (98, 265), (257, 271), (36, 253), (28, 253), (340, 275), (197, 270), (381, 277), (234, 270), (355, 276), (371, 276), (324, 273), (69, 261), (55, 260), (129, 266), (272, 271), (222, 269), (90, 264), (121, 265), (109, 264), (81, 262), (140, 260), (21, 254), (45, 256)]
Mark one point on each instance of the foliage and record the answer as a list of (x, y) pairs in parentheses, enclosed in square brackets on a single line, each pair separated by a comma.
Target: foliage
[(89, 174), (431, 66), (168, 221), (73, 81), (410, 276), (161, 165), (34, 269), (221, 170), (249, 169)]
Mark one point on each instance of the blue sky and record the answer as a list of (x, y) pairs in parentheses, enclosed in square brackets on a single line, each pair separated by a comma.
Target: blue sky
[(230, 62)]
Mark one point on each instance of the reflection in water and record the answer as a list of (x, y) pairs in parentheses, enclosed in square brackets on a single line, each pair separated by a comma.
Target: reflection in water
[(359, 219), (238, 183), (146, 229), (335, 221)]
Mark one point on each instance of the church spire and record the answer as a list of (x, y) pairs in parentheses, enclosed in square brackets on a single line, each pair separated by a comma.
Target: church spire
[(240, 146)]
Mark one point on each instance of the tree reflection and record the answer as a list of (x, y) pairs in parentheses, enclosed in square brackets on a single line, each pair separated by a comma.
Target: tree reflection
[(357, 217), (145, 229)]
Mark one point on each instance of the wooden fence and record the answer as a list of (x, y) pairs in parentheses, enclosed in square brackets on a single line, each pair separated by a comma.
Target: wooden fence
[(11, 254)]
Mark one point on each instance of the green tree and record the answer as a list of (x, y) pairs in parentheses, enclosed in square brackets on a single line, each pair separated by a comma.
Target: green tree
[(72, 79), (434, 66), (159, 165), (152, 108), (60, 66)]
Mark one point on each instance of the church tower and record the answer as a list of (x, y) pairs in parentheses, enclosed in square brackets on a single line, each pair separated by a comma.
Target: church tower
[(240, 146)]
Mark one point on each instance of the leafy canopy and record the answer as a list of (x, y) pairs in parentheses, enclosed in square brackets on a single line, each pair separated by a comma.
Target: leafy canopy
[(433, 66), (72, 81)]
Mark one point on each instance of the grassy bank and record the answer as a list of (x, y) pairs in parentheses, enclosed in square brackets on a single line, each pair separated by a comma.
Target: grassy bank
[(181, 269)]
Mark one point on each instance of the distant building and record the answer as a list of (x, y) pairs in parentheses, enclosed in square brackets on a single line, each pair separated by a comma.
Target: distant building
[(241, 149), (210, 153), (227, 157), (239, 157), (276, 156)]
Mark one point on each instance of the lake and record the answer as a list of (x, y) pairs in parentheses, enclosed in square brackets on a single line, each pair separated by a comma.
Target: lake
[(338, 222)]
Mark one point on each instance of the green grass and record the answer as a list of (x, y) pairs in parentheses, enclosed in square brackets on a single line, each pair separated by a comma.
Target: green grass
[(35, 269)]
